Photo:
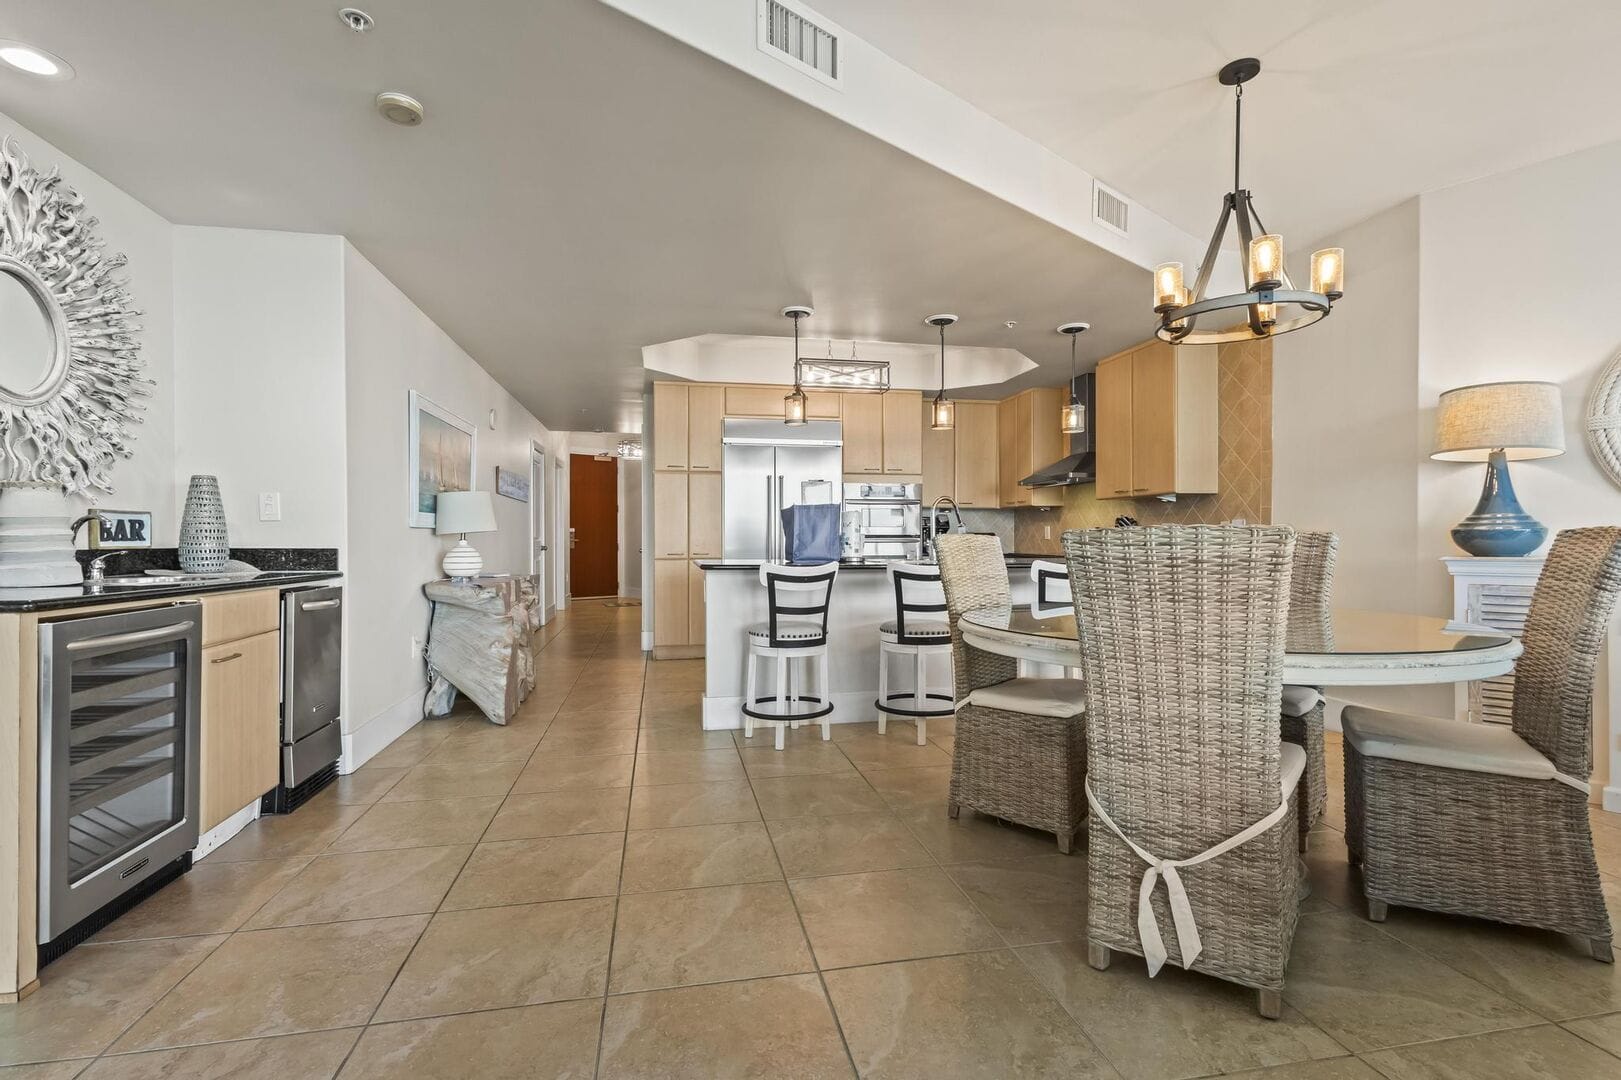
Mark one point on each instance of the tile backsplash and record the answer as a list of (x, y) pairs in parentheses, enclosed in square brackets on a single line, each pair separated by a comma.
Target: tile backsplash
[(1245, 476)]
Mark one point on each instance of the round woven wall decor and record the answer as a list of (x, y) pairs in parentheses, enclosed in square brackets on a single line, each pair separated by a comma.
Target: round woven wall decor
[(1604, 419)]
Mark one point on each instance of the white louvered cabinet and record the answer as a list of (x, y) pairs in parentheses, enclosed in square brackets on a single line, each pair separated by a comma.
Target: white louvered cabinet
[(1490, 594)]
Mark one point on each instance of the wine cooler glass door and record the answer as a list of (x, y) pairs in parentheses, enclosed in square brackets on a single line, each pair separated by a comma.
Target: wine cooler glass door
[(118, 750)]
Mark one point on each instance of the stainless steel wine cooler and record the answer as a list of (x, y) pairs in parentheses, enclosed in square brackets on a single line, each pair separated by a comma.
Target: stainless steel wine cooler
[(119, 697)]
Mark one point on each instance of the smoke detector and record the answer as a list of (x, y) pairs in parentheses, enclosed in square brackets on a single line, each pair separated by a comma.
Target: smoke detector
[(398, 108), (355, 19)]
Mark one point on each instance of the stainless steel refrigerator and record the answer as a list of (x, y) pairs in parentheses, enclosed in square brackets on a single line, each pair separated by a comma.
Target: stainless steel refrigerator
[(769, 466)]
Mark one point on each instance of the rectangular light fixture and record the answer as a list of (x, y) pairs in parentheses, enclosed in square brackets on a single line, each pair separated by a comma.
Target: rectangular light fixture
[(871, 376)]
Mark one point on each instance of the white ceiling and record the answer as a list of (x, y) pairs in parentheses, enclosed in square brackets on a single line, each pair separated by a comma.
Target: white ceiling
[(1359, 104), (583, 185)]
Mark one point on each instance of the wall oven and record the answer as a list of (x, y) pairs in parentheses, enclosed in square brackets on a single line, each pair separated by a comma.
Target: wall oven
[(119, 697), (889, 518)]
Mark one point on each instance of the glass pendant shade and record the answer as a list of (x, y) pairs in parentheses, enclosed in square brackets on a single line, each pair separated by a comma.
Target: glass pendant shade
[(1266, 261), (1169, 290), (944, 413), (1328, 272), (793, 408), (1074, 418)]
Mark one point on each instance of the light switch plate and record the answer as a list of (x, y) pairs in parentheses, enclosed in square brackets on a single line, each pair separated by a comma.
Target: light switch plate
[(1046, 532), (269, 506)]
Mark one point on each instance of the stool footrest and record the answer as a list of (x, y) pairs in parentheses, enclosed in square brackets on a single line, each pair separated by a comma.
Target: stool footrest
[(883, 705), (778, 717)]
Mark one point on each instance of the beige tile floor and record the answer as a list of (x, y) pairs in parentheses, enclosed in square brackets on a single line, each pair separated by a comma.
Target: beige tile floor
[(603, 889)]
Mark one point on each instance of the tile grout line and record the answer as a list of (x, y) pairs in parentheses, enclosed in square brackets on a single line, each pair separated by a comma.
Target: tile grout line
[(619, 885)]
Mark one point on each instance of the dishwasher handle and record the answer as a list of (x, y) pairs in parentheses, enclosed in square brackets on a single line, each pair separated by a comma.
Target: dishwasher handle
[(319, 605)]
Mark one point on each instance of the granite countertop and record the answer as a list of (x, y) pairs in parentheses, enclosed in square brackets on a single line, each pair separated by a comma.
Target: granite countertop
[(50, 598)]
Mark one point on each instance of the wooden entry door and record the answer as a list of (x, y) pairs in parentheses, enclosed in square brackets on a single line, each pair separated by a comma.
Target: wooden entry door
[(593, 526)]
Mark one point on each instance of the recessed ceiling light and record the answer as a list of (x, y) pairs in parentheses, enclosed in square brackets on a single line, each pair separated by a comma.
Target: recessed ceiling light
[(400, 108), (34, 60), (355, 19)]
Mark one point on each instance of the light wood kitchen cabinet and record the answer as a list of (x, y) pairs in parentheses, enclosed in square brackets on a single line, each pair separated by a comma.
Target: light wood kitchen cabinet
[(864, 433), (977, 457), (240, 723), (1157, 421), (704, 523), (903, 434), (670, 509), (706, 423), (767, 401), (1029, 436), (670, 410), (939, 457), (671, 603)]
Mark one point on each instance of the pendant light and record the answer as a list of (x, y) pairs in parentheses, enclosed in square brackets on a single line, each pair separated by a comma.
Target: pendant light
[(793, 406), (1270, 304), (1074, 414), (944, 409)]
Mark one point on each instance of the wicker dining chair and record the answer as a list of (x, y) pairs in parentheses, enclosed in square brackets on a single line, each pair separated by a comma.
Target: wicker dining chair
[(1310, 626), (1020, 750), (1491, 821), (1182, 634)]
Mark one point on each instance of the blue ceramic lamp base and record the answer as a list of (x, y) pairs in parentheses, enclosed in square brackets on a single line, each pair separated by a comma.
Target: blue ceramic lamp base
[(1499, 526)]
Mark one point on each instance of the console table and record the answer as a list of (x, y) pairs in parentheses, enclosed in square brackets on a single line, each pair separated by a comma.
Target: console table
[(479, 643)]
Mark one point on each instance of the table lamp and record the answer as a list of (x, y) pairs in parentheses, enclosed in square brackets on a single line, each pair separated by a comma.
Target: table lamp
[(1498, 423), (460, 513)]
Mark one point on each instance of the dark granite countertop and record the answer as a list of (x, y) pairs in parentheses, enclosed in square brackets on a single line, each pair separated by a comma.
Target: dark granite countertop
[(50, 598)]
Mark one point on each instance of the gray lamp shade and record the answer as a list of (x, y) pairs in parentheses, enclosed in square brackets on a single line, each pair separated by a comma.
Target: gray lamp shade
[(1522, 419), (463, 512)]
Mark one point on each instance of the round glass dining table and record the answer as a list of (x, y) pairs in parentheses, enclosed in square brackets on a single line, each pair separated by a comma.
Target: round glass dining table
[(1351, 648)]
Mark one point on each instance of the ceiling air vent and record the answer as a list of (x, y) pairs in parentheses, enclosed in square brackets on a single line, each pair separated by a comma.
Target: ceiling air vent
[(787, 32), (1110, 209)]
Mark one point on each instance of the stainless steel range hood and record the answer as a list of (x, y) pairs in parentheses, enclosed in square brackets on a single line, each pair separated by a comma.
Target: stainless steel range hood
[(1080, 466)]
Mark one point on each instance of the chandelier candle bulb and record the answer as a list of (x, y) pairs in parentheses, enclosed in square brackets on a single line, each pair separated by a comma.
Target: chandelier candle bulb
[(1266, 261), (1169, 290), (1328, 272)]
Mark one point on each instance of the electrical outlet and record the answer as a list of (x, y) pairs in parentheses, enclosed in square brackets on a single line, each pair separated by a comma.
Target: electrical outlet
[(1046, 532), (269, 506)]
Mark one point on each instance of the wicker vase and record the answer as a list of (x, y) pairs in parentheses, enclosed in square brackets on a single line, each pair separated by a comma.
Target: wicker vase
[(203, 543)]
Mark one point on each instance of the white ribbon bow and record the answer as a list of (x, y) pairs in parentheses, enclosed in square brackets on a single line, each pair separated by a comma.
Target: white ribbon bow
[(1187, 931)]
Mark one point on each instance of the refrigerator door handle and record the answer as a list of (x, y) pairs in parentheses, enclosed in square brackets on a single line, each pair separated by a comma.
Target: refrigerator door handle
[(769, 534), (782, 539)]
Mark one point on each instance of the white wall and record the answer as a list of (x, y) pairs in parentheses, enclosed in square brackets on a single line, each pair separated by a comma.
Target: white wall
[(259, 379), (1506, 277), (146, 481), (391, 348)]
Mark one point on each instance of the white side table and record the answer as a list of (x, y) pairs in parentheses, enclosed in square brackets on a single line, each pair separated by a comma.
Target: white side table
[(1490, 594)]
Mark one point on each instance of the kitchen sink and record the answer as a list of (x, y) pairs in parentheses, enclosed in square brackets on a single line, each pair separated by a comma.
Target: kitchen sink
[(124, 580)]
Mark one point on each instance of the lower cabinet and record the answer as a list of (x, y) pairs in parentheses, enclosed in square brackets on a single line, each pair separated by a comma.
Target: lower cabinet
[(678, 609), (241, 724)]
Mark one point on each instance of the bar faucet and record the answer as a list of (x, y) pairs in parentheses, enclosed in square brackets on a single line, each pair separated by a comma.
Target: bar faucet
[(97, 572)]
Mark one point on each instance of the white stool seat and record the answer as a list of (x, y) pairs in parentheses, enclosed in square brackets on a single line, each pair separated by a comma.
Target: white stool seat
[(1447, 744), (1059, 698), (788, 630), (891, 630)]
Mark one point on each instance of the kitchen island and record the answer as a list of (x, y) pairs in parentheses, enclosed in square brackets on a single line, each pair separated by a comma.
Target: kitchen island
[(862, 599)]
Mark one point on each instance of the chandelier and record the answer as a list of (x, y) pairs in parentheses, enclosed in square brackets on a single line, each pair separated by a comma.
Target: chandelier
[(1270, 304)]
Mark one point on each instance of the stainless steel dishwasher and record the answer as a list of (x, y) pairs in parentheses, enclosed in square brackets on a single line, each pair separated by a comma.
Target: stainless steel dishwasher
[(119, 702), (311, 689)]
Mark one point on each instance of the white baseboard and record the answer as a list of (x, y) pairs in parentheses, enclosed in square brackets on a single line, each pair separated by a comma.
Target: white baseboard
[(849, 707), (647, 641), (1612, 799), (362, 744), (226, 829), (631, 593)]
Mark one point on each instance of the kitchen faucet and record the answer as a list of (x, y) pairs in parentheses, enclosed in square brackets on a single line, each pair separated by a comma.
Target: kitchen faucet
[(955, 512)]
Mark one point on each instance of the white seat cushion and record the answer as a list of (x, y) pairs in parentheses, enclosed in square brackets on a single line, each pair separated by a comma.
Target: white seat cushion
[(1291, 764), (1039, 697), (1300, 700), (1447, 744), (915, 628), (788, 630)]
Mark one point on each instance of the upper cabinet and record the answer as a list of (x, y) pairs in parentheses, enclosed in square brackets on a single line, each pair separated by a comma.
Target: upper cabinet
[(767, 402), (1029, 436), (976, 455), (864, 433), (1156, 421), (706, 416), (939, 456), (669, 425), (903, 433)]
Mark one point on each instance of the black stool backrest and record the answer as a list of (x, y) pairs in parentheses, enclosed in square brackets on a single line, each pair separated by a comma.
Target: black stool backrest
[(801, 593), (917, 592)]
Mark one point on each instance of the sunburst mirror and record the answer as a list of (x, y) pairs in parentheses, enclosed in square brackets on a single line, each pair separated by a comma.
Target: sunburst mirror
[(70, 367)]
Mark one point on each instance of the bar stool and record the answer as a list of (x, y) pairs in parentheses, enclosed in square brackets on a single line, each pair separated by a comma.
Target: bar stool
[(1052, 589), (795, 629), (917, 592)]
